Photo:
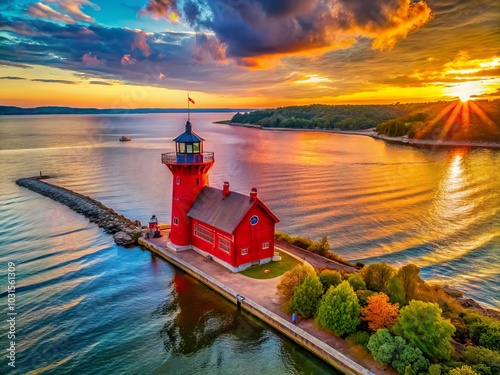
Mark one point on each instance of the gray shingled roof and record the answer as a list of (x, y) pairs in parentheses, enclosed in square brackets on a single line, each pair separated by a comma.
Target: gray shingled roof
[(186, 137), (222, 213)]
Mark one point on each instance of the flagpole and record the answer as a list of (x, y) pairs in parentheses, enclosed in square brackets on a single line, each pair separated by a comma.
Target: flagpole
[(188, 107)]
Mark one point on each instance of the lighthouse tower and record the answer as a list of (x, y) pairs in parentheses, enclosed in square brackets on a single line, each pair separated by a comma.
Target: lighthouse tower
[(189, 165)]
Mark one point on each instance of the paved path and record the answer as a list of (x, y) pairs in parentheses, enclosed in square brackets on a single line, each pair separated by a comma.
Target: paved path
[(263, 292), (317, 261)]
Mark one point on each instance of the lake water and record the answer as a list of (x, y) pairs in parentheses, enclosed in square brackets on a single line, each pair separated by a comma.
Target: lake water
[(86, 305)]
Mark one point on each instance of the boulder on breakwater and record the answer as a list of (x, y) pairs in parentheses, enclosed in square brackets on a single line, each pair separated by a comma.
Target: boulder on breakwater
[(125, 232)]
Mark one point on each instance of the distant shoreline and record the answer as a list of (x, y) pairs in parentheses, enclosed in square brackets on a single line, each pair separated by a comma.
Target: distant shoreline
[(54, 110), (373, 134)]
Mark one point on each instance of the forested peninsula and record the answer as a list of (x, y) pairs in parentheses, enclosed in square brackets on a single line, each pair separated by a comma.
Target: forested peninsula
[(475, 121)]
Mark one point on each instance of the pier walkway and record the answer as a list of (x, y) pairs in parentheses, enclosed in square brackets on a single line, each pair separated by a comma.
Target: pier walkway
[(259, 298)]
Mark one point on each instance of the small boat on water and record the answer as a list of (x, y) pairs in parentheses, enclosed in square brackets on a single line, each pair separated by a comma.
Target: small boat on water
[(124, 139)]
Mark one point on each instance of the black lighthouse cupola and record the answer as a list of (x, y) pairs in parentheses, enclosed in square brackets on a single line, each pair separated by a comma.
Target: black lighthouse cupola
[(189, 146)]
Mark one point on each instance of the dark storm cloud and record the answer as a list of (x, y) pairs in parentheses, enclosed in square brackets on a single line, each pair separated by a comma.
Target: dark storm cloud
[(254, 28)]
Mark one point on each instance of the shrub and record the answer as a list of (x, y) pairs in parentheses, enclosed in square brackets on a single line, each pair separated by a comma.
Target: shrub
[(291, 279), (421, 323), (464, 370), (434, 369), (329, 278), (356, 282), (306, 296), (302, 242), (379, 312), (482, 356), (410, 357), (377, 276), (339, 310), (485, 332), (394, 350), (383, 346), (360, 338)]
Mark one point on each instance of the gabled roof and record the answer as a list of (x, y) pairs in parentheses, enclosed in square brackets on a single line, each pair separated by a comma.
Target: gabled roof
[(224, 213)]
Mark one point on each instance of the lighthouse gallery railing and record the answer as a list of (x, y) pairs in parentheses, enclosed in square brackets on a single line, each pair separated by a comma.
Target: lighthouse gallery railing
[(175, 158)]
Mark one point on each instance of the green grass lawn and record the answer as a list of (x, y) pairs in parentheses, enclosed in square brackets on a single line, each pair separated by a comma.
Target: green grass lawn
[(275, 268)]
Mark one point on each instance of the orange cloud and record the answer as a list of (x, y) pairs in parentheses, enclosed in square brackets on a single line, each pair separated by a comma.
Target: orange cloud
[(162, 9), (91, 60), (40, 10), (127, 60), (141, 43)]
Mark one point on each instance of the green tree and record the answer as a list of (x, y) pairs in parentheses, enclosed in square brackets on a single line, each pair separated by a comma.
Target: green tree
[(356, 282), (339, 310), (464, 370), (321, 247), (306, 297), (377, 276), (384, 346), (291, 279), (421, 323), (329, 278), (394, 350), (412, 357), (410, 278), (396, 290)]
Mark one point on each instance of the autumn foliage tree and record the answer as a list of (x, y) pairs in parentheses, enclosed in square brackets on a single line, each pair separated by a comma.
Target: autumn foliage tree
[(291, 279), (379, 312)]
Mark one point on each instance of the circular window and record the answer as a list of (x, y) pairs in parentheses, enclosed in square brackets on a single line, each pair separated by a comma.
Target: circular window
[(254, 220)]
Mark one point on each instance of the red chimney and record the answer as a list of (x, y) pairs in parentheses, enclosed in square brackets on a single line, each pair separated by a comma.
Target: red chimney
[(225, 189), (253, 193)]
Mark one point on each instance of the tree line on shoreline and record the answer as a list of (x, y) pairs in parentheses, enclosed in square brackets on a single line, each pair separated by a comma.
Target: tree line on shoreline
[(469, 121), (414, 326), (401, 320)]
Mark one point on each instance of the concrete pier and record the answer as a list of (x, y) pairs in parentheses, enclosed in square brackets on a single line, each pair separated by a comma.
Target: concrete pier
[(254, 296)]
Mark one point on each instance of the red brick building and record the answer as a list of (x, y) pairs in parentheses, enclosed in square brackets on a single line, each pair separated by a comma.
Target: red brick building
[(236, 230)]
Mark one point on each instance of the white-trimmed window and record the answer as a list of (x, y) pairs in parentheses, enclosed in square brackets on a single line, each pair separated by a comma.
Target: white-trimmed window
[(224, 244), (176, 221), (265, 245), (244, 251), (204, 233)]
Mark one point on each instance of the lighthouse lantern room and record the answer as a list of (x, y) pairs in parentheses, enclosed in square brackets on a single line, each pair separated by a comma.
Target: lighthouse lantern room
[(235, 230)]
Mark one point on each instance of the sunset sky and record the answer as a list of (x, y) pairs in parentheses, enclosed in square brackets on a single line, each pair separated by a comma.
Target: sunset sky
[(246, 53)]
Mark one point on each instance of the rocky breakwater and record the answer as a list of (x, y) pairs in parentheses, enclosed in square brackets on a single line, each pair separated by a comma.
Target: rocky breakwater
[(124, 231)]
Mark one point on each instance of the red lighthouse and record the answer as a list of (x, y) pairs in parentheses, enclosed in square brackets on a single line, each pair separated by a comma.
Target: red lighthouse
[(189, 165), (234, 229)]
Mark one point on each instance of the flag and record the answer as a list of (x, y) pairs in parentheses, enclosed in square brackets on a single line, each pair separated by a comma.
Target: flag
[(191, 100)]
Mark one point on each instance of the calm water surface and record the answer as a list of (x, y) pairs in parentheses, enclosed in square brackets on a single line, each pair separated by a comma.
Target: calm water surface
[(86, 305)]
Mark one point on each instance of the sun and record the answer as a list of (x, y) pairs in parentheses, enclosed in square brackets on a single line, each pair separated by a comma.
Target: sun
[(466, 90)]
